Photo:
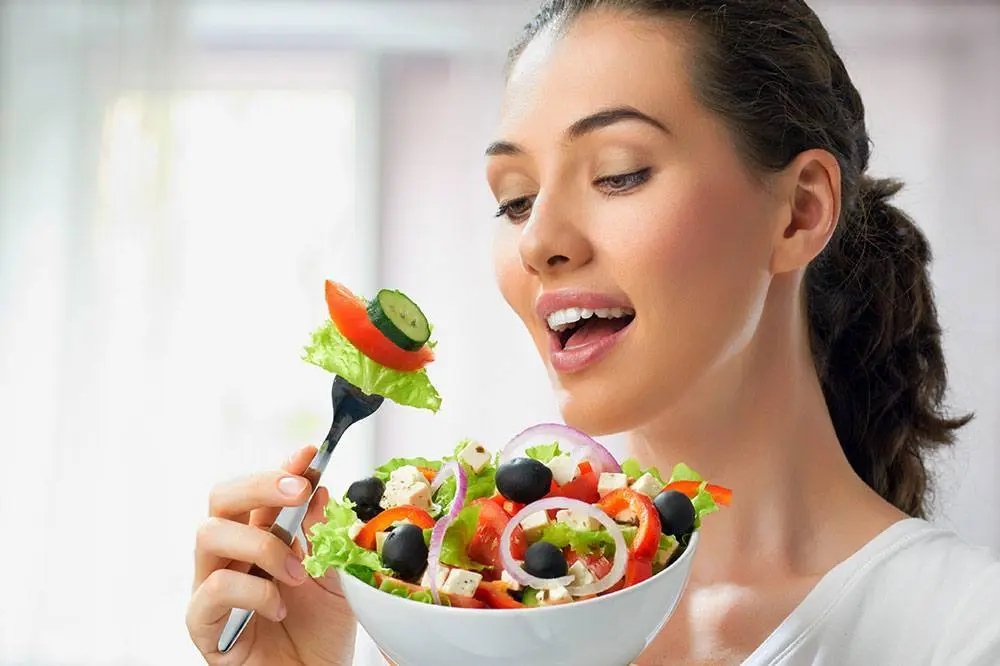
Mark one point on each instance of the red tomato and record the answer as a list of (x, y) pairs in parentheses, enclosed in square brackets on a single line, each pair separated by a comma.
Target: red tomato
[(583, 487), (349, 314), (419, 517), (454, 600), (510, 507), (598, 565), (721, 495), (485, 545), (495, 595)]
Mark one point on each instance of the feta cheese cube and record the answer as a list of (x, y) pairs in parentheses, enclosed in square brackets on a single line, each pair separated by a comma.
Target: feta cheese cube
[(534, 524), (408, 474), (461, 583), (355, 529), (442, 576), (396, 494), (664, 554), (475, 456), (610, 481), (578, 521), (559, 595), (581, 574), (563, 469), (512, 584), (380, 541), (647, 485)]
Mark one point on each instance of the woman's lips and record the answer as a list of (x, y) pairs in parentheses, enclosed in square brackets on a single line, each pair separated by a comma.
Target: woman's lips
[(591, 349)]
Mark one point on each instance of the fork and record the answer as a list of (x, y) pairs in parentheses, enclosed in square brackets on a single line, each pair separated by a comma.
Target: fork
[(350, 405)]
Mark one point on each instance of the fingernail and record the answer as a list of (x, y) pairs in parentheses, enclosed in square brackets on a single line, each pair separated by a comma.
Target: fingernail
[(295, 568), (291, 485), (282, 611)]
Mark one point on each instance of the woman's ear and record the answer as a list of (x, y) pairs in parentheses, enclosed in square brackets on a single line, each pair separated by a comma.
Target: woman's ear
[(811, 188)]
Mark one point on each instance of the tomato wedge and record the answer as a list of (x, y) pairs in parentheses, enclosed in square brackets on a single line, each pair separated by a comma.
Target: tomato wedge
[(485, 544), (494, 594), (417, 516), (454, 600), (349, 314), (721, 495), (583, 487), (597, 563), (647, 538)]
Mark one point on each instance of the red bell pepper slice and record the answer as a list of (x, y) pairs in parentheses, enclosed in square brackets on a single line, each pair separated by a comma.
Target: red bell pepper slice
[(721, 495), (494, 594), (428, 473), (349, 314), (417, 516), (647, 538)]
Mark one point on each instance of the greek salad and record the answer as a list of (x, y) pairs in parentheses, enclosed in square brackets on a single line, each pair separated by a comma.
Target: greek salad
[(551, 518)]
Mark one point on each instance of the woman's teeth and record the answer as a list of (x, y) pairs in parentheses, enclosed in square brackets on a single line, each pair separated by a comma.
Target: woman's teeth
[(560, 320)]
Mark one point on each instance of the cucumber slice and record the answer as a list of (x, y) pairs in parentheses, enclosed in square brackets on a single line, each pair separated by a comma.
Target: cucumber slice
[(399, 319)]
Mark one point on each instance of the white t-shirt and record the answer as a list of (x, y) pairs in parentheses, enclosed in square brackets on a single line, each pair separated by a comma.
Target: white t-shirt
[(915, 595)]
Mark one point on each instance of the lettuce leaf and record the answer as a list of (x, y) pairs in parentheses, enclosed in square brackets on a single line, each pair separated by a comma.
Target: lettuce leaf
[(632, 469), (543, 452), (332, 547), (457, 538), (703, 501), (682, 472), (582, 542), (480, 485), (384, 471), (334, 353), (398, 590)]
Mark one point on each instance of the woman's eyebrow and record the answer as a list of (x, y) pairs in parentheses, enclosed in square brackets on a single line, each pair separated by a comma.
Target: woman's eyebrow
[(584, 126)]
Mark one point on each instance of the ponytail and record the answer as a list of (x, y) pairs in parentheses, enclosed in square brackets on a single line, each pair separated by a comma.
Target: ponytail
[(877, 346)]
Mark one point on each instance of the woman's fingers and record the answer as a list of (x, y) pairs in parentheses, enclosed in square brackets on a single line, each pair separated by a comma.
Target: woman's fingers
[(225, 590), (223, 541), (234, 500)]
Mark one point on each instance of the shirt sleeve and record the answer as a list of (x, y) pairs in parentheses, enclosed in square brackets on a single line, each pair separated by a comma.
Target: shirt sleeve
[(972, 635)]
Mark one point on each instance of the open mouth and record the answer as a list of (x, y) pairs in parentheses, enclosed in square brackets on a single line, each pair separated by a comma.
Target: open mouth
[(579, 327)]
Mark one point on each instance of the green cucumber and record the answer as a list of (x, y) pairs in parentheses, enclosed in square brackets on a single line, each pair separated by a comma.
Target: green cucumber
[(399, 319)]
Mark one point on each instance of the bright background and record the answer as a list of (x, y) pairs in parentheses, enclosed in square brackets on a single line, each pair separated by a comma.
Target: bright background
[(178, 178)]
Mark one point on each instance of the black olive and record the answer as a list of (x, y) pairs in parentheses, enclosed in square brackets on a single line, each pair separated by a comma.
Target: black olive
[(524, 480), (367, 511), (366, 492), (543, 560), (676, 512), (405, 552)]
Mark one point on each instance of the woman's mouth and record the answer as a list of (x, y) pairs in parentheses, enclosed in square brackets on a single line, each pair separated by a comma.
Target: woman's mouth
[(580, 336)]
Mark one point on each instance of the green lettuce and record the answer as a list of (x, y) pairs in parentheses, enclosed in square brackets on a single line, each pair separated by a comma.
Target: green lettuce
[(544, 452), (530, 597), (583, 542), (455, 545), (333, 547), (703, 501), (334, 353), (399, 590), (632, 469), (385, 471), (481, 484)]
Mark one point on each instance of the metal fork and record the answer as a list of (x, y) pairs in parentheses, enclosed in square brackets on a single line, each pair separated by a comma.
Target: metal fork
[(350, 405)]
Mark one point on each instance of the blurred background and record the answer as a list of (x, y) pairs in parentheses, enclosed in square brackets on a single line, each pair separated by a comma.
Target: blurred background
[(177, 179)]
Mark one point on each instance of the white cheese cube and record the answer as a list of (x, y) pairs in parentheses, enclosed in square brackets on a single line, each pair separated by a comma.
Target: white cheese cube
[(475, 456), (461, 583), (610, 481), (355, 529), (581, 574), (647, 485), (408, 474), (416, 494), (628, 517), (578, 521), (563, 469), (442, 576), (664, 554), (559, 595), (534, 524), (380, 541), (512, 584)]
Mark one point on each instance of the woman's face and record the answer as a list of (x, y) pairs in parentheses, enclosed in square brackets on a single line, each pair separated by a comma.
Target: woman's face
[(621, 195)]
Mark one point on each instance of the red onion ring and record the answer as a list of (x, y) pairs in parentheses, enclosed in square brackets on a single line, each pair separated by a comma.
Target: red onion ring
[(579, 445), (437, 534), (512, 568)]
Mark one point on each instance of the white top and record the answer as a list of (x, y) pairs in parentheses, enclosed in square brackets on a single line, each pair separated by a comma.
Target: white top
[(915, 595)]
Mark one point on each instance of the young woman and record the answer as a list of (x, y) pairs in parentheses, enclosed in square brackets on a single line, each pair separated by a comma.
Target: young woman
[(702, 165)]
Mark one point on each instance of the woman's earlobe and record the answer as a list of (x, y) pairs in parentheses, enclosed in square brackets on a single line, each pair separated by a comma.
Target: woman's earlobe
[(814, 207)]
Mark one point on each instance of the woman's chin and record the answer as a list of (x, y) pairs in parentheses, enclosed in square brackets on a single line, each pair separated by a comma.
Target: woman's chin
[(598, 410)]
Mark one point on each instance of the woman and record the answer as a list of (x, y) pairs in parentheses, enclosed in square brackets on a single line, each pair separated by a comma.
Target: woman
[(702, 164)]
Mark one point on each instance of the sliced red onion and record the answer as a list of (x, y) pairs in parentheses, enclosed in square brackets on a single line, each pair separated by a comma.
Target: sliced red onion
[(579, 445), (437, 534), (524, 578)]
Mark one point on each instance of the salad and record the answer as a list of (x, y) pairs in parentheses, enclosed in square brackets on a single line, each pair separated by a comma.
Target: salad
[(551, 518)]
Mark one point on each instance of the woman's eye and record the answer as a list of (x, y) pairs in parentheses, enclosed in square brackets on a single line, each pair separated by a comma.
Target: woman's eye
[(621, 183), (516, 210)]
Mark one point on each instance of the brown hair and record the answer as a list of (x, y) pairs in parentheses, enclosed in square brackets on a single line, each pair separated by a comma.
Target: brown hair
[(770, 70)]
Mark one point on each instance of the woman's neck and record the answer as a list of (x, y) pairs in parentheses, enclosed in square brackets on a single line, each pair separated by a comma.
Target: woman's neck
[(798, 507)]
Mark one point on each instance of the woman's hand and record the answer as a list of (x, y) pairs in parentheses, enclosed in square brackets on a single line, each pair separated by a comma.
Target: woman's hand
[(298, 619)]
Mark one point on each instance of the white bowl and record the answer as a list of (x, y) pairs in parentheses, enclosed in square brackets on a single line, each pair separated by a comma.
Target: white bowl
[(606, 631)]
